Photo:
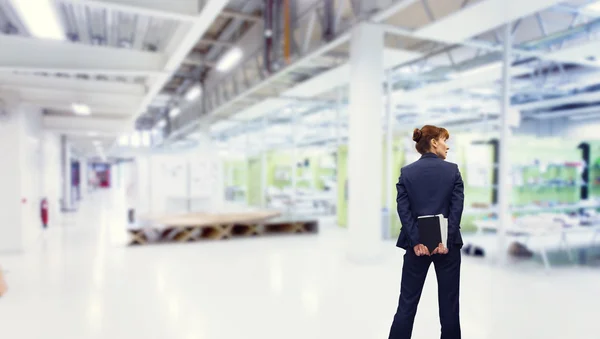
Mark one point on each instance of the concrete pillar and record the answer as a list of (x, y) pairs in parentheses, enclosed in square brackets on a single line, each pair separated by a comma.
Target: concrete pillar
[(263, 165), (83, 175), (11, 195), (389, 171), (52, 174), (364, 142), (339, 124), (65, 156), (21, 175), (504, 182), (294, 162)]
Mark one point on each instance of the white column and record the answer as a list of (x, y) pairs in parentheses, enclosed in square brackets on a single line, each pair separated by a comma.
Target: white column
[(338, 117), (83, 173), (65, 156), (389, 192), (52, 176), (263, 166), (504, 179), (364, 142), (294, 161), (11, 194), (114, 176), (248, 156)]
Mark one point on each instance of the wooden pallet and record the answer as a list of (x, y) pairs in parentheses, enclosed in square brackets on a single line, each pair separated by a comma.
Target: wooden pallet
[(198, 227)]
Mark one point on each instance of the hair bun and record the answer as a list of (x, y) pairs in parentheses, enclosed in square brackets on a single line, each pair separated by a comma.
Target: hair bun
[(417, 134)]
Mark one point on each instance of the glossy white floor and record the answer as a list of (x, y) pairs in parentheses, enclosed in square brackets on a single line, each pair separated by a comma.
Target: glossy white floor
[(79, 281)]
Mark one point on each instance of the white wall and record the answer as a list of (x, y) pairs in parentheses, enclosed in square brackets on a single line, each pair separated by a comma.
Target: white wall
[(11, 233), (51, 178), (143, 186), (31, 171), (65, 178), (83, 177), (20, 175), (164, 182)]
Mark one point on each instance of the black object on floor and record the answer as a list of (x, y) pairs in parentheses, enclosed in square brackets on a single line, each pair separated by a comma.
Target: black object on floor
[(475, 251), (519, 250)]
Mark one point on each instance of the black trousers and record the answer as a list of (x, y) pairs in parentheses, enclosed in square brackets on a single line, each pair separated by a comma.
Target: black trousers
[(414, 272)]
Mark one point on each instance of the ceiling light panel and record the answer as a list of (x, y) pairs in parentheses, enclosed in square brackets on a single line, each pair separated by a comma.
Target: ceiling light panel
[(230, 59), (193, 93), (81, 109), (40, 18), (174, 112), (595, 7)]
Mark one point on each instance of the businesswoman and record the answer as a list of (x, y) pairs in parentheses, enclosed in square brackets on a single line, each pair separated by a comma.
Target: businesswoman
[(429, 186)]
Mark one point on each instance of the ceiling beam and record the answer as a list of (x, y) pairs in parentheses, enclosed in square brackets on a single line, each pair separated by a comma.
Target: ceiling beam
[(476, 19), (396, 7), (125, 103), (216, 42), (240, 15), (35, 82), (586, 97), (180, 10), (184, 42), (198, 61), (77, 125), (21, 53)]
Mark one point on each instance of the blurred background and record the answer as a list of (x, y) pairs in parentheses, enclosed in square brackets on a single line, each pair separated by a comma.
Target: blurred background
[(226, 169)]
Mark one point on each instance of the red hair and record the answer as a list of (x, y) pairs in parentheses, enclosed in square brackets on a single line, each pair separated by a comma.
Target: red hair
[(424, 136)]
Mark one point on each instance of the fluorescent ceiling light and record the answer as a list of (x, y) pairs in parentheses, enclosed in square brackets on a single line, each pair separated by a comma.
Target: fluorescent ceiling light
[(193, 93), (124, 140), (476, 70), (483, 91), (230, 59), (595, 6), (146, 138), (174, 112), (135, 139), (81, 109), (161, 124), (40, 18), (585, 117)]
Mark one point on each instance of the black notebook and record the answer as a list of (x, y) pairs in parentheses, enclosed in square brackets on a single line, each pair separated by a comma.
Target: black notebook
[(433, 230)]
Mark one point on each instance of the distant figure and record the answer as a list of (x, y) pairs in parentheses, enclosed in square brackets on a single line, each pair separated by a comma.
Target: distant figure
[(131, 201), (429, 186)]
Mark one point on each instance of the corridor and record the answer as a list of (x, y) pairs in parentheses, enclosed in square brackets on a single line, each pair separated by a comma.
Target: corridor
[(80, 281)]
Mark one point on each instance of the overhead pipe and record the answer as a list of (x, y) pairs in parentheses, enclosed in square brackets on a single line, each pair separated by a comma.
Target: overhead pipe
[(329, 21), (277, 19), (287, 32), (268, 34)]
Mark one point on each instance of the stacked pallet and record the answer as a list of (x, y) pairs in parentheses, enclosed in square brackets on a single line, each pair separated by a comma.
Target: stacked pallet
[(217, 226)]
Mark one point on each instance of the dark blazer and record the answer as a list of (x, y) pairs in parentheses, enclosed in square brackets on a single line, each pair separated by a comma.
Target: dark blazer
[(429, 186)]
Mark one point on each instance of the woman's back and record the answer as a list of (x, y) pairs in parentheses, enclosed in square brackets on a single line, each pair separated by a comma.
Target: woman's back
[(429, 183), (429, 186)]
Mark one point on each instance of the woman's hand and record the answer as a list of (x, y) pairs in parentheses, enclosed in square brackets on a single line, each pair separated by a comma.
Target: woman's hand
[(421, 250), (441, 249)]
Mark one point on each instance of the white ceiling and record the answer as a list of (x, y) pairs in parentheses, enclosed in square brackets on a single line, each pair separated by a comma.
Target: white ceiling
[(118, 82)]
